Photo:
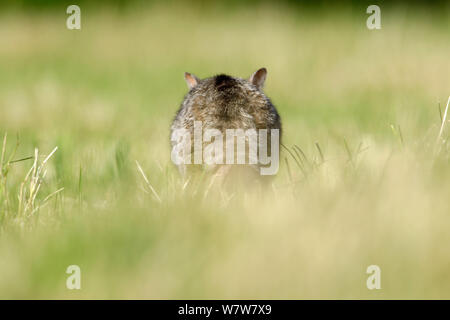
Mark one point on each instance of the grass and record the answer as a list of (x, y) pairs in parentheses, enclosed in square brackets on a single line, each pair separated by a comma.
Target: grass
[(364, 176)]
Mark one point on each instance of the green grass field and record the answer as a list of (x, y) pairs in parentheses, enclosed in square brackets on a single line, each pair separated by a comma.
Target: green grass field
[(372, 101)]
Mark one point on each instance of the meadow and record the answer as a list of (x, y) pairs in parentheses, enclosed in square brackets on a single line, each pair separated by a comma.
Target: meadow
[(86, 177)]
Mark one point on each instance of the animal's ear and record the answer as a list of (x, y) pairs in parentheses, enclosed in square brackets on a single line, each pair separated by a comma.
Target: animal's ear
[(191, 80), (258, 78)]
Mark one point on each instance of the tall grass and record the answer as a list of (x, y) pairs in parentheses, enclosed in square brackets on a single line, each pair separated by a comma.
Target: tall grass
[(27, 204)]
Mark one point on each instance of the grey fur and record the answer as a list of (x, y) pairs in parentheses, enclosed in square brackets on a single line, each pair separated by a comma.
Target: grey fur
[(224, 102)]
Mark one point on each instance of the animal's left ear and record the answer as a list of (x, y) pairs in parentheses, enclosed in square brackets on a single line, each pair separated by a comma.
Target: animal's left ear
[(191, 80), (258, 78)]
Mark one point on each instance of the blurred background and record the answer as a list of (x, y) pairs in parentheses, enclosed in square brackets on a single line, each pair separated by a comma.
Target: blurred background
[(364, 179)]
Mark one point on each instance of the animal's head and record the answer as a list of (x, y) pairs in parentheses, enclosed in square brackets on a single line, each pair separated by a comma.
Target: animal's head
[(227, 91), (226, 84)]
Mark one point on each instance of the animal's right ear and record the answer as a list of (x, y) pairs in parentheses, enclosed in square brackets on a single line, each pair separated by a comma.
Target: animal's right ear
[(258, 78), (191, 80)]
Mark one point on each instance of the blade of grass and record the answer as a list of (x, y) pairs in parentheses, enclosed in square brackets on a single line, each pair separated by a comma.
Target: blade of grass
[(148, 182), (51, 195), (80, 185), (322, 159), (349, 153), (2, 158), (20, 160), (443, 120), (296, 160), (288, 169)]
